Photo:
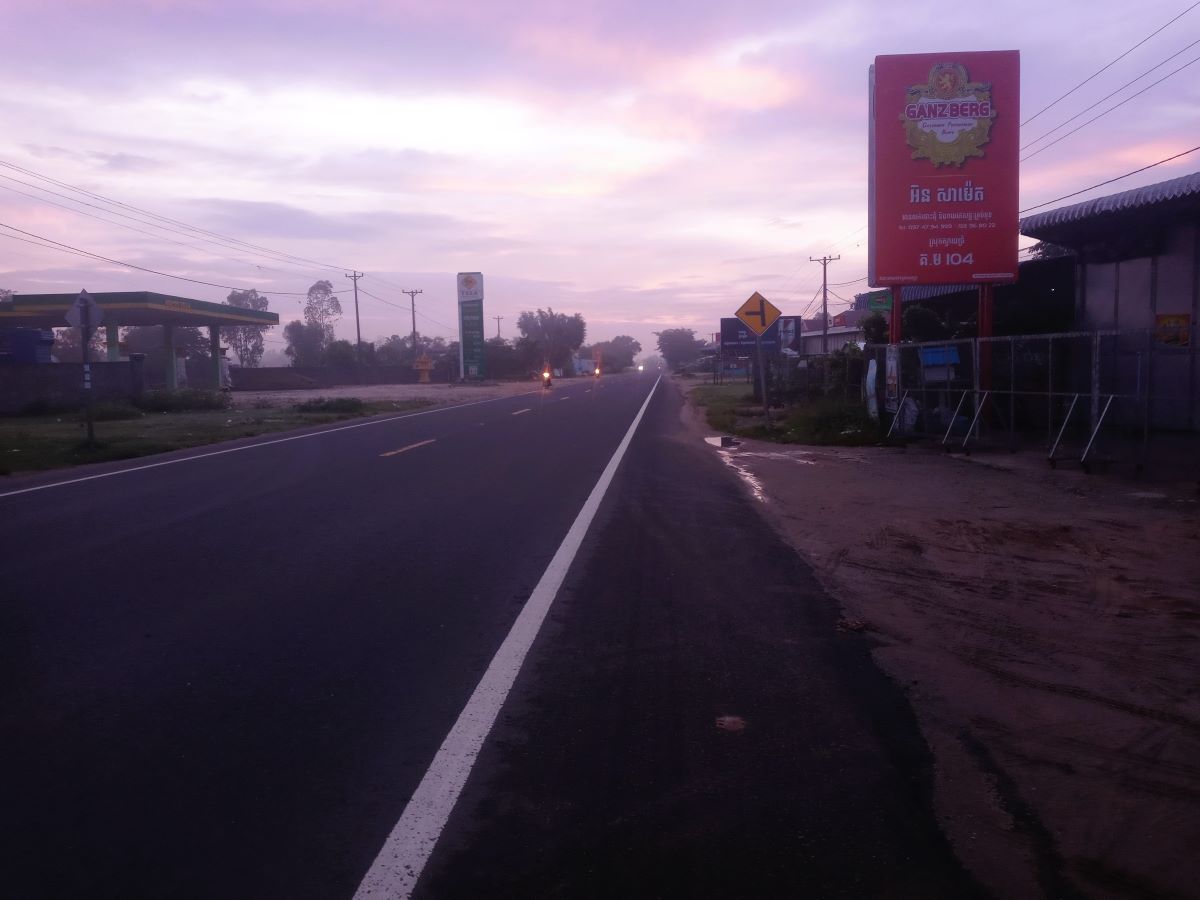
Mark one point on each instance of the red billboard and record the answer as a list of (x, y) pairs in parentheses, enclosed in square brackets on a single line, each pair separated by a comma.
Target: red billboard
[(943, 175)]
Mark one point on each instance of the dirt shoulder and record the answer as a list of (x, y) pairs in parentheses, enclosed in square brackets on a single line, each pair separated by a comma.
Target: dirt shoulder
[(1045, 626)]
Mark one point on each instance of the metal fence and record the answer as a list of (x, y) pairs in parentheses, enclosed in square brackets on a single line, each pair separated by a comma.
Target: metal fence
[(1083, 395)]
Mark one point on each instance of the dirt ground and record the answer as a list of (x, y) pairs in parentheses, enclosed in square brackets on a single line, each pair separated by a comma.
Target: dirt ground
[(437, 393), (1045, 626)]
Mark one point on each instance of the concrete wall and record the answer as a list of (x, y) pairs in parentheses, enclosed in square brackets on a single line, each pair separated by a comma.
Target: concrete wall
[(60, 385), (296, 378), (810, 344)]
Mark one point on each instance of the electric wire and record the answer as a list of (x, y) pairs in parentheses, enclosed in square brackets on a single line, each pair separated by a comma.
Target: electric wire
[(1110, 64), (1110, 109), (1110, 181), (282, 256), (57, 245), (160, 237), (1113, 94)]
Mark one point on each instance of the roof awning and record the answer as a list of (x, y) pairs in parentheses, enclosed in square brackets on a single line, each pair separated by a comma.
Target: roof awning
[(129, 308), (1117, 219)]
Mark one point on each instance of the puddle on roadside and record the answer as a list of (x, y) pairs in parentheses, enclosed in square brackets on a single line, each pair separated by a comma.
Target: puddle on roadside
[(797, 456), (727, 449), (745, 474)]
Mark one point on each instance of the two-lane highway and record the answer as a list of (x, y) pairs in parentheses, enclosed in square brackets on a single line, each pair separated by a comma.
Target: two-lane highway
[(534, 647), (223, 677)]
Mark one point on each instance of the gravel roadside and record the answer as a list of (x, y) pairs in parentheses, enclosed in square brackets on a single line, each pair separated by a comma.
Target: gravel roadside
[(1045, 626)]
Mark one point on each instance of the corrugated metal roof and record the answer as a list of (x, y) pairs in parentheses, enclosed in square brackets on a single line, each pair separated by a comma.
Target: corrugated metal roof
[(1151, 194), (928, 291)]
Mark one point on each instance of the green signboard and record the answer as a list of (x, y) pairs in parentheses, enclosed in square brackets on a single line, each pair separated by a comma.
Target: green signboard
[(470, 326), (880, 301)]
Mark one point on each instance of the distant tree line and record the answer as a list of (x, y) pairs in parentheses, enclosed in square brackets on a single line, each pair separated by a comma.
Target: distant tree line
[(546, 338)]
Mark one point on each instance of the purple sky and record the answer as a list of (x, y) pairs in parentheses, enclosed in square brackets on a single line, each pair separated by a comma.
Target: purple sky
[(647, 164)]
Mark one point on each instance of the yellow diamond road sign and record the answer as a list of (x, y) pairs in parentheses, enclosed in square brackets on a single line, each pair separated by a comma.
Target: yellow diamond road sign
[(758, 313)]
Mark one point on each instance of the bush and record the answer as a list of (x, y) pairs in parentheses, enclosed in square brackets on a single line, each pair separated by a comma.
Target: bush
[(830, 421), (182, 401), (331, 405)]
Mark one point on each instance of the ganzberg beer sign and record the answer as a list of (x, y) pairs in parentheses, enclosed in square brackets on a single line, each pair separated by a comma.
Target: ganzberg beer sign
[(943, 179)]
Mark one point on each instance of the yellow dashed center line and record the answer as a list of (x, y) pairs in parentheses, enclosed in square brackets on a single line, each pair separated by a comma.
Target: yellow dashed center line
[(409, 447)]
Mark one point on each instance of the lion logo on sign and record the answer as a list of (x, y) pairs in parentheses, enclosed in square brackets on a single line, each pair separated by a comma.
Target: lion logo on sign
[(949, 118)]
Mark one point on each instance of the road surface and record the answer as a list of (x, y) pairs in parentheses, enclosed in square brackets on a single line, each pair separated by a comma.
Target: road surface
[(226, 676)]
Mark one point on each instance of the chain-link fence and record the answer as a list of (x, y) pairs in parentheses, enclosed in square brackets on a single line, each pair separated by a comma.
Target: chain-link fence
[(1078, 394)]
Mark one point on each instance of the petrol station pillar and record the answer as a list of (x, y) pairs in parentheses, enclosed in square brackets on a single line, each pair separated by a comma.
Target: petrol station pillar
[(169, 346), (214, 354), (112, 341)]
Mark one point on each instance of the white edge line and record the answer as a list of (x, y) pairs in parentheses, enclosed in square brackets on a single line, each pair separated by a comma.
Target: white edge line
[(399, 864), (295, 437), (519, 411)]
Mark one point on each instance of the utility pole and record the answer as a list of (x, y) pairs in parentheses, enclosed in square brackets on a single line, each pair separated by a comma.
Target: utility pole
[(412, 299), (825, 261), (497, 318), (354, 276)]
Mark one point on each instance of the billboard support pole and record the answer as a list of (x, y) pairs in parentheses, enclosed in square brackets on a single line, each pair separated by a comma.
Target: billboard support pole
[(894, 324), (762, 382)]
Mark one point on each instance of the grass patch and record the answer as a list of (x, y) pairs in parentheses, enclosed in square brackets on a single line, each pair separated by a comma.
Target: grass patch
[(183, 401), (332, 405), (720, 403), (821, 422), (113, 412), (825, 422), (34, 443)]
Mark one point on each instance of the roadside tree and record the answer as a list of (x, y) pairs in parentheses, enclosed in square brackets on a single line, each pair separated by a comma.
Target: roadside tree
[(875, 328), (247, 340), (68, 343), (322, 309), (615, 355), (305, 343), (678, 346), (553, 336), (501, 359)]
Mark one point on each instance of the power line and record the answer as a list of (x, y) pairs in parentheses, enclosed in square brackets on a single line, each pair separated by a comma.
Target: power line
[(56, 245), (1110, 181), (844, 283), (1110, 96), (160, 237), (1110, 109), (1109, 65), (811, 303), (202, 231), (447, 328)]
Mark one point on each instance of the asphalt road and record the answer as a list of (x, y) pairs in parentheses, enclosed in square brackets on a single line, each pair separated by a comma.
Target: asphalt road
[(224, 677)]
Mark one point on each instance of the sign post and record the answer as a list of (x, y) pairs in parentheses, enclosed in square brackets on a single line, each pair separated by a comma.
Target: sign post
[(758, 314), (470, 325), (85, 314)]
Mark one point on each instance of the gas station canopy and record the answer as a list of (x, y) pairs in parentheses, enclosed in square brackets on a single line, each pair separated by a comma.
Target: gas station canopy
[(129, 308)]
